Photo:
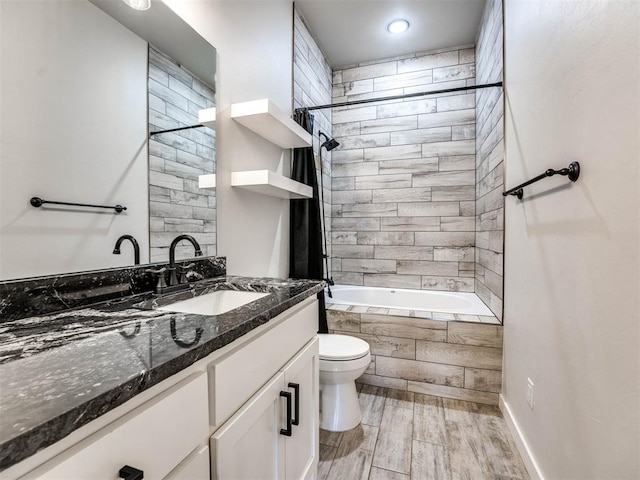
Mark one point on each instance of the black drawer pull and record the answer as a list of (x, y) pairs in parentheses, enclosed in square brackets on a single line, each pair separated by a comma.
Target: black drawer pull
[(296, 410), (130, 473), (287, 431)]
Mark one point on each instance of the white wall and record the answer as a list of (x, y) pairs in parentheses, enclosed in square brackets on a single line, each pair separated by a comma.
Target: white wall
[(572, 265), (254, 44), (61, 63)]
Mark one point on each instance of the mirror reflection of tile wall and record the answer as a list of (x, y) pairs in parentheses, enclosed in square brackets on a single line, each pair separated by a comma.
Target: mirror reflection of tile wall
[(176, 204)]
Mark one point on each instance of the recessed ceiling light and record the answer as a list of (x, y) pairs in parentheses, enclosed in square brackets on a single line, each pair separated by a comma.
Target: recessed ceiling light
[(398, 26), (138, 4)]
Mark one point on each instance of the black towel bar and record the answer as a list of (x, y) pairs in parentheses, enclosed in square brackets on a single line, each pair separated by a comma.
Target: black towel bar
[(38, 202), (572, 171)]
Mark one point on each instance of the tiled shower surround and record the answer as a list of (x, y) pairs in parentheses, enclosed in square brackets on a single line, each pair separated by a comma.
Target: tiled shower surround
[(176, 204), (489, 161), (403, 178), (312, 86)]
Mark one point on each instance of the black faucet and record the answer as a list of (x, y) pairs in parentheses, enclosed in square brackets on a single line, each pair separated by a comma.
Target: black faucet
[(134, 242), (172, 255)]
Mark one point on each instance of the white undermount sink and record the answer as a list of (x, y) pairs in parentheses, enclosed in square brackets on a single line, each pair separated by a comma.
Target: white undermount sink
[(213, 303)]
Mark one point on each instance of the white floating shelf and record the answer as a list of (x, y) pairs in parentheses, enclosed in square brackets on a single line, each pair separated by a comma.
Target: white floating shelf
[(270, 183), (207, 181), (207, 117), (268, 121)]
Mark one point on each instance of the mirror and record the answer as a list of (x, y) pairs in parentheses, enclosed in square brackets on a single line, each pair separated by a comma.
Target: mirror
[(83, 84)]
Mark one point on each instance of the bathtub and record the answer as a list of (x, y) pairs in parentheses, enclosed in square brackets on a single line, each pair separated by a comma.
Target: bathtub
[(398, 298)]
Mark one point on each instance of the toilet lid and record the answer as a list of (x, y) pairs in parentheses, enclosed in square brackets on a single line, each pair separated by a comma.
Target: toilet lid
[(341, 347)]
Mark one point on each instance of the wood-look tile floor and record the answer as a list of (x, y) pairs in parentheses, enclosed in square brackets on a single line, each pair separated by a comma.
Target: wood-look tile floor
[(407, 435)]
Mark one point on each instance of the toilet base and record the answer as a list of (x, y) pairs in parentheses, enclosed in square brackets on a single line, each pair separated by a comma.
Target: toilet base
[(340, 409)]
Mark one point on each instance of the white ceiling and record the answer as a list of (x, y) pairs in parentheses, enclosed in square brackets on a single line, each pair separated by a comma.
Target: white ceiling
[(354, 31)]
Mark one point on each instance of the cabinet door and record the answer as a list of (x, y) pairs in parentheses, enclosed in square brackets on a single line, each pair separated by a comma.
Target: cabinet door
[(249, 445), (301, 449)]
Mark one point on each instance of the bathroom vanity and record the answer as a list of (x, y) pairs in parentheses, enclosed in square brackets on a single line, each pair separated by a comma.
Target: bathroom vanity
[(135, 387)]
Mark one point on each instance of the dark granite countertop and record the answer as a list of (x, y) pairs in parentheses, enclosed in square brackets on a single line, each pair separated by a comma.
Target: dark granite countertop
[(62, 370)]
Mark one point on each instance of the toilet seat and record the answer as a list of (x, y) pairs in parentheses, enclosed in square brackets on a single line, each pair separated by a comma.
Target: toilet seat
[(335, 347)]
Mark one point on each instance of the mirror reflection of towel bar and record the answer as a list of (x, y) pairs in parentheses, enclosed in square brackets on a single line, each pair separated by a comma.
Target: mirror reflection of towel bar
[(38, 202)]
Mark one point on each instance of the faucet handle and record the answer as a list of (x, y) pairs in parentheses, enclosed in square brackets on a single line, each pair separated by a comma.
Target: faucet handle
[(161, 283), (183, 272)]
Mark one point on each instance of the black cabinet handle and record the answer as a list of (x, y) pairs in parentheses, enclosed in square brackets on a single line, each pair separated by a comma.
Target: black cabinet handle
[(296, 392), (130, 473), (287, 431)]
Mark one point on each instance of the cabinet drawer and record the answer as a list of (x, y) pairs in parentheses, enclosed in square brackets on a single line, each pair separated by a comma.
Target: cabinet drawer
[(194, 467), (237, 377), (154, 437)]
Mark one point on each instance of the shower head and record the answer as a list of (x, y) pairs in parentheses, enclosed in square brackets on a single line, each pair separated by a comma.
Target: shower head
[(329, 144)]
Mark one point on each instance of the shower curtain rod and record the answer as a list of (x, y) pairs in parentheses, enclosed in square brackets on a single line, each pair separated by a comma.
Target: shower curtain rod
[(398, 97)]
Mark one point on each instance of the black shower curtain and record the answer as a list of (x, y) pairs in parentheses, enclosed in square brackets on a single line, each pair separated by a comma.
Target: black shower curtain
[(305, 232)]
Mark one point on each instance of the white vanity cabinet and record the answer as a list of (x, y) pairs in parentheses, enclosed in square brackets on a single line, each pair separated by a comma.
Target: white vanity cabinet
[(153, 438), (220, 418), (275, 434)]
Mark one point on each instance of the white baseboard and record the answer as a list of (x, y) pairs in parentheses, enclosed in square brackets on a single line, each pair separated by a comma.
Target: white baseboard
[(525, 452)]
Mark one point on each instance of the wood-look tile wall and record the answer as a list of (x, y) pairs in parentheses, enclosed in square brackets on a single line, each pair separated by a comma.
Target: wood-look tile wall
[(489, 161), (448, 359), (312, 86), (176, 203), (403, 178)]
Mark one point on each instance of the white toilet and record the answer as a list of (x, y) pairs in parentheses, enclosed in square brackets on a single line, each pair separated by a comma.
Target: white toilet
[(342, 360)]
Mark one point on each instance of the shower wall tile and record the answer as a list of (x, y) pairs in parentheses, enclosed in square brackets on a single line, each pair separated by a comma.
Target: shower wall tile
[(489, 160), (393, 153), (458, 162), (368, 210), (444, 119), (352, 196), (344, 238), (454, 254), (348, 156), (412, 224), (312, 85), (353, 251), (408, 267), (383, 181), (428, 62), (353, 169), (402, 195), (362, 141), (369, 265), (358, 224), (392, 157), (457, 102), (425, 135), (387, 123), (392, 281), (408, 253), (428, 209), (369, 71), (451, 284), (445, 239), (413, 166), (411, 107), (177, 159)]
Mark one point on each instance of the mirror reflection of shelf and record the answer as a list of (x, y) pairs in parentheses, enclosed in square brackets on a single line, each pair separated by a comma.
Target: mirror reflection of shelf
[(271, 123), (207, 117), (207, 181), (270, 183)]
